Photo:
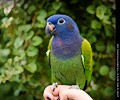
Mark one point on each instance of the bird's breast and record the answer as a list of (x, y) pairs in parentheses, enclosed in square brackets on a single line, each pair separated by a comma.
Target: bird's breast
[(65, 49)]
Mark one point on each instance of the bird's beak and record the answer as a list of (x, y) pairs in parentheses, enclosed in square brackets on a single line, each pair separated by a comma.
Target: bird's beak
[(51, 29)]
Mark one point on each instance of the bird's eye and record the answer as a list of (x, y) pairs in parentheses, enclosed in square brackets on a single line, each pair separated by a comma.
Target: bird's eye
[(49, 23), (61, 21)]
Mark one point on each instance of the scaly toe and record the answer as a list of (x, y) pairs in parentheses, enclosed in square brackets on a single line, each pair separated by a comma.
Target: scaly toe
[(54, 86), (74, 87)]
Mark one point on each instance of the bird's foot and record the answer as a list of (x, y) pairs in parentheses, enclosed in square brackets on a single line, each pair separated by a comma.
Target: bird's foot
[(54, 86), (74, 87)]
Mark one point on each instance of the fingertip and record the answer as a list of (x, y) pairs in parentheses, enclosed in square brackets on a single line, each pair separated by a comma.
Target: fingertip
[(48, 98), (47, 94), (56, 91), (58, 98)]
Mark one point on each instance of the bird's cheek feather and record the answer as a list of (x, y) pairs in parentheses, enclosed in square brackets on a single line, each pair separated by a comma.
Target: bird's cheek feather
[(70, 26)]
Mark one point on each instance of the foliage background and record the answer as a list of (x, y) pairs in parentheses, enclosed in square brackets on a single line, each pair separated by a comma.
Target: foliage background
[(24, 70)]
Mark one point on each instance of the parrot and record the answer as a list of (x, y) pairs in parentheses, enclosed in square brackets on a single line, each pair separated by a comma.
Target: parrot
[(70, 54)]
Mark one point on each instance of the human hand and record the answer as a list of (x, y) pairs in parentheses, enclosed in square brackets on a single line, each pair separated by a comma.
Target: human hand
[(64, 92)]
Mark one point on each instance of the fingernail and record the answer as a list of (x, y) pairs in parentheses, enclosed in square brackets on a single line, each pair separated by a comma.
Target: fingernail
[(48, 98)]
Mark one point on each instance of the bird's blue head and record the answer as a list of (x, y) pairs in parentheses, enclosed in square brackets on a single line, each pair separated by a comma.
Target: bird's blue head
[(61, 25)]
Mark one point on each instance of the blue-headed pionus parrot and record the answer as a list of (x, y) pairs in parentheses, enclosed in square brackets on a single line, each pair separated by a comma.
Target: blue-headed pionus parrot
[(70, 55)]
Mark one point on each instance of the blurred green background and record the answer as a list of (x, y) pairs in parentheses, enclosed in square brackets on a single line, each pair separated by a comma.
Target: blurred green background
[(24, 69)]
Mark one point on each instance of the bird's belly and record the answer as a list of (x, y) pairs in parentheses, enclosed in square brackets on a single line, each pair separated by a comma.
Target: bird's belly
[(65, 71)]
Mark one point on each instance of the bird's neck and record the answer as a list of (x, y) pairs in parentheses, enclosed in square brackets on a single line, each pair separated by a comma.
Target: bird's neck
[(66, 47)]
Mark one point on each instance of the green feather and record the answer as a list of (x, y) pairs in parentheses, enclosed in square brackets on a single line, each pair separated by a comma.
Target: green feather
[(87, 54), (68, 71), (74, 70)]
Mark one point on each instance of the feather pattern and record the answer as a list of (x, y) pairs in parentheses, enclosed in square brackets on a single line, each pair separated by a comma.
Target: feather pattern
[(65, 48), (70, 54)]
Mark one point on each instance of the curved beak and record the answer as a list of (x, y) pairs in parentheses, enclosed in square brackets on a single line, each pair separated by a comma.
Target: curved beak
[(50, 29)]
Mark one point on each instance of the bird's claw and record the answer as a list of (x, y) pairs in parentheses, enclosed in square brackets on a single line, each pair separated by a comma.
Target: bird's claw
[(74, 87), (54, 86)]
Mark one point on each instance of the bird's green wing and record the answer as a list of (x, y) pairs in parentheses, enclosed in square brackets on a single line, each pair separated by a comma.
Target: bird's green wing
[(87, 59), (49, 49)]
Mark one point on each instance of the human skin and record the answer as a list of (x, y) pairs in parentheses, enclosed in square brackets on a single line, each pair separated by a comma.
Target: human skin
[(64, 92)]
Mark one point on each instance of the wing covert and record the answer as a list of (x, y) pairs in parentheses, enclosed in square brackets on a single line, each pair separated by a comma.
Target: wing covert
[(87, 61), (49, 50)]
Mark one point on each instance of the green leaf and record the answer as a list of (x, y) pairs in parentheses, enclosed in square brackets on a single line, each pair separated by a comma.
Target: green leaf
[(30, 35), (7, 22), (114, 22), (110, 48), (100, 11), (91, 9), (9, 61), (108, 30), (4, 52), (32, 51), (18, 69), (41, 19), (27, 27), (3, 59), (37, 40), (4, 19), (31, 67), (18, 42), (92, 39), (31, 9), (16, 58), (20, 52), (40, 25), (109, 91), (104, 70), (42, 15), (24, 28), (96, 24), (106, 20), (56, 5), (5, 88), (100, 46), (112, 74), (1, 12), (16, 92)]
